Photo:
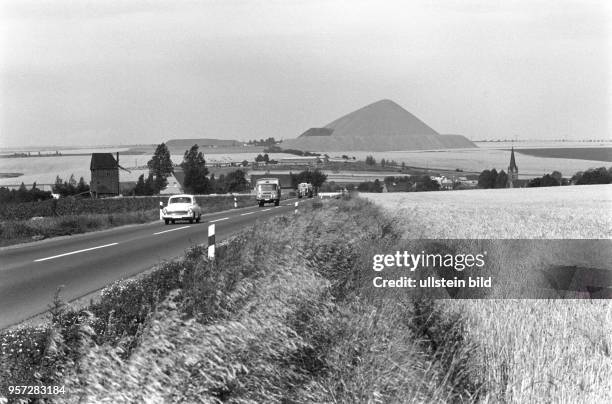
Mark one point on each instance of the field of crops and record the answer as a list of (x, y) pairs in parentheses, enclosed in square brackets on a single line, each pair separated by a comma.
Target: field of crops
[(532, 350), (582, 153), (545, 213)]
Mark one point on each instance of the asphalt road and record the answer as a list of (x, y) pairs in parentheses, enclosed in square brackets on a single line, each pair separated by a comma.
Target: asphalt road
[(31, 273)]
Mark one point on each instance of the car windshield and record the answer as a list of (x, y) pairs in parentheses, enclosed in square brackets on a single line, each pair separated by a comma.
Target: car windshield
[(180, 199), (267, 187)]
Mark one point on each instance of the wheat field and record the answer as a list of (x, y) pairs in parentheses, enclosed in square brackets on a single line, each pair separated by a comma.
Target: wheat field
[(528, 350)]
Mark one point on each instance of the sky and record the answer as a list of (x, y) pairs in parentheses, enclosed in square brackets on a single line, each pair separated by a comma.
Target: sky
[(85, 72)]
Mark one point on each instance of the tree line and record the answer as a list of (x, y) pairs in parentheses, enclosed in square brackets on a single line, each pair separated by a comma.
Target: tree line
[(601, 175)]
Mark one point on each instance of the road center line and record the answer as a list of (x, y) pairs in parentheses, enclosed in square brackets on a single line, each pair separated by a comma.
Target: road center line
[(218, 220), (75, 252), (248, 213), (166, 231), (265, 210)]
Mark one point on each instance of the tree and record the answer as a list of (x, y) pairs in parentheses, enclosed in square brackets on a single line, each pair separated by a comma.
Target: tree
[(236, 181), (487, 179), (594, 176), (161, 166), (370, 161), (266, 158), (316, 178), (139, 189), (58, 186), (383, 162), (195, 170), (502, 180), (425, 183), (259, 158)]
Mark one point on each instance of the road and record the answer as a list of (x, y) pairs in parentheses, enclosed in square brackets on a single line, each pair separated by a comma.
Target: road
[(31, 273)]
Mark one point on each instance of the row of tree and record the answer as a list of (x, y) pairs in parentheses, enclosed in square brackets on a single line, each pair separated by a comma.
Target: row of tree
[(315, 177), (22, 194), (404, 184), (263, 142), (601, 175), (492, 179), (71, 187)]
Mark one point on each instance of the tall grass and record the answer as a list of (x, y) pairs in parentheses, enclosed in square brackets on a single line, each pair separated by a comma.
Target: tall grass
[(21, 231), (40, 220)]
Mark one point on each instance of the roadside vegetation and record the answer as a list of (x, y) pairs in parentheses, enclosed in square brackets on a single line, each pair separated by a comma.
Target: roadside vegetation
[(30, 221), (279, 316)]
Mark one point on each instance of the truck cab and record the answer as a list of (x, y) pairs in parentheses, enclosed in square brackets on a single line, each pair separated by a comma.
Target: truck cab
[(268, 190), (305, 189)]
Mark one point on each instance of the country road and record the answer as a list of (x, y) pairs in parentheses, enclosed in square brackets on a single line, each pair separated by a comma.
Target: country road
[(31, 273)]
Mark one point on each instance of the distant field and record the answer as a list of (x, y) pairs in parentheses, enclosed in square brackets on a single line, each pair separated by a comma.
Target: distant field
[(581, 211), (44, 169), (581, 153)]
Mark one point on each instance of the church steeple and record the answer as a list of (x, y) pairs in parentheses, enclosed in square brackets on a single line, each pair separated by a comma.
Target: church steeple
[(512, 170)]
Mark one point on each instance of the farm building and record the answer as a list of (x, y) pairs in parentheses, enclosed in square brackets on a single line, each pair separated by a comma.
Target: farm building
[(299, 160), (104, 175)]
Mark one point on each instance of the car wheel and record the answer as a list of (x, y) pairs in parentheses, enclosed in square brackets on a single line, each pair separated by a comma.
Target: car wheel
[(173, 221), (198, 218), (276, 203), (167, 221)]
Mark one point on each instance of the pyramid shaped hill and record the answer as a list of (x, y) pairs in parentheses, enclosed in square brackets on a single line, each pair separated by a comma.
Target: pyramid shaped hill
[(381, 126)]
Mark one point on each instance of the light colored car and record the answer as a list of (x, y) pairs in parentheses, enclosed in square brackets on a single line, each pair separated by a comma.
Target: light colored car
[(182, 207)]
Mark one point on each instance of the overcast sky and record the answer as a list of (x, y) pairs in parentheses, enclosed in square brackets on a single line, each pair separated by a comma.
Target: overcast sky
[(108, 72)]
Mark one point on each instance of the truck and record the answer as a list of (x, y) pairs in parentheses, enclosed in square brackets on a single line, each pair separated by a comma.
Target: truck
[(305, 189), (268, 190)]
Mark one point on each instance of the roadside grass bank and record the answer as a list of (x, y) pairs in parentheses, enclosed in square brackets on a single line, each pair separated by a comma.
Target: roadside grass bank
[(33, 221), (278, 316), (525, 350)]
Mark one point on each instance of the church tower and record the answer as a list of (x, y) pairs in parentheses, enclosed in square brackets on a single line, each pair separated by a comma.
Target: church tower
[(512, 171)]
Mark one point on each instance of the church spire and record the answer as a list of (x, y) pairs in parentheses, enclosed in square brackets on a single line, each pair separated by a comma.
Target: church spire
[(512, 170), (512, 167)]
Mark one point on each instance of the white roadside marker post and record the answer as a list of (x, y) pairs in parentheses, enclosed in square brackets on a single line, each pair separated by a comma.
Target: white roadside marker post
[(161, 208), (296, 208), (235, 202), (211, 241)]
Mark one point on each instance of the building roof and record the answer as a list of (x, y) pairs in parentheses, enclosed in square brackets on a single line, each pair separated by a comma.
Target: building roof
[(512, 166), (103, 161)]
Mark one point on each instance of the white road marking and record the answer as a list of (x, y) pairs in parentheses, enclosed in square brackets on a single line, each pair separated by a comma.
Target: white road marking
[(175, 229), (218, 220), (265, 210), (248, 213), (75, 252)]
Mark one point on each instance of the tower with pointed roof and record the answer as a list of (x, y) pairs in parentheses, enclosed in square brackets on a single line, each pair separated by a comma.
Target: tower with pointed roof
[(512, 171)]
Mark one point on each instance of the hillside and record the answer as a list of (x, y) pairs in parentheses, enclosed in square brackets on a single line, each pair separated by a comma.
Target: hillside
[(381, 126)]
